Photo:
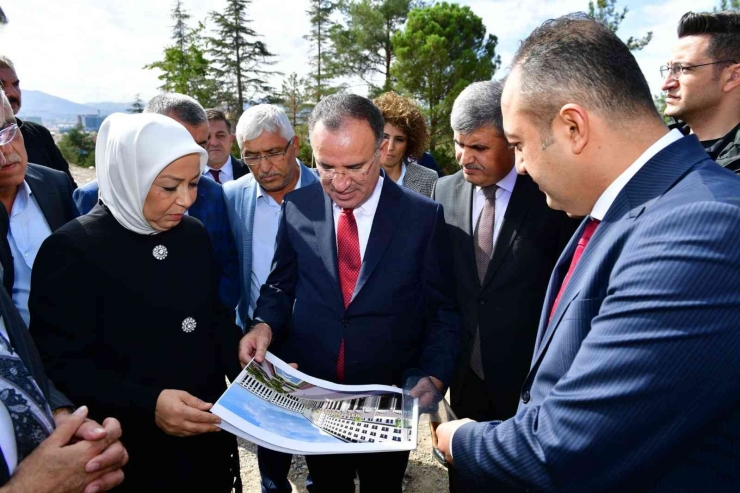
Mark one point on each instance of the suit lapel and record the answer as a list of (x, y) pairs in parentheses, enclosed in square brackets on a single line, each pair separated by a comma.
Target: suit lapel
[(516, 211), (386, 217), (46, 198), (327, 242), (249, 203), (460, 216)]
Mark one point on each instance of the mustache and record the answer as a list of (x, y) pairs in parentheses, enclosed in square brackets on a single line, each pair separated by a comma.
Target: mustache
[(472, 166), (11, 159), (13, 99), (268, 175)]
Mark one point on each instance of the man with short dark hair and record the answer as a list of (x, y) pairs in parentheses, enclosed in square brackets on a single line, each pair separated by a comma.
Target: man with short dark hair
[(222, 166), (360, 289), (702, 83), (39, 143), (634, 383)]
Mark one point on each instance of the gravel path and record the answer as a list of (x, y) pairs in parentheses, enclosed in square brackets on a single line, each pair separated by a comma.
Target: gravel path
[(423, 475)]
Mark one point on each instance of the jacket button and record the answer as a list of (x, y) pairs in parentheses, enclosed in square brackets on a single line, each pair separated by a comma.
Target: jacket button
[(525, 396), (482, 301), (345, 322)]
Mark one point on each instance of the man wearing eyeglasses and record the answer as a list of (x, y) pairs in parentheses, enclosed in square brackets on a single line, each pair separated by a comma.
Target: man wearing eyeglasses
[(361, 287), (702, 83)]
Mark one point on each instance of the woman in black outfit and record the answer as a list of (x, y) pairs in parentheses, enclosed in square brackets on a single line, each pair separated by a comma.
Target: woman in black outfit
[(125, 312)]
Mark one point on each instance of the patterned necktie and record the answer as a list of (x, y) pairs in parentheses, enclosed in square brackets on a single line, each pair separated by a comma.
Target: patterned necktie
[(28, 409), (349, 261), (214, 173), (483, 238), (588, 232)]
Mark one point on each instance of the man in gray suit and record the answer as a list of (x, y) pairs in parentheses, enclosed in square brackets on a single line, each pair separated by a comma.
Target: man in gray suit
[(269, 147)]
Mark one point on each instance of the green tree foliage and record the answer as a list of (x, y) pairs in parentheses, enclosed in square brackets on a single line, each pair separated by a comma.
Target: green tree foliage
[(185, 68), (322, 50), (605, 11), (78, 147), (660, 105), (725, 5), (443, 49), (364, 47), (238, 57), (295, 98), (137, 106)]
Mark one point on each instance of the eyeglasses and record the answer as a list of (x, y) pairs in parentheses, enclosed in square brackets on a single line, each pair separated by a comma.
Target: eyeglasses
[(677, 69), (7, 134), (272, 158), (357, 174)]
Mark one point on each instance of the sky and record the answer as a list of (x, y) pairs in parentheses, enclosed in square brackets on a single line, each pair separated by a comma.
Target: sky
[(95, 50)]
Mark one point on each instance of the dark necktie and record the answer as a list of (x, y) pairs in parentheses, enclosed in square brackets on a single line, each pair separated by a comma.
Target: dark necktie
[(588, 232), (28, 409), (215, 173), (483, 237), (349, 262), (6, 256)]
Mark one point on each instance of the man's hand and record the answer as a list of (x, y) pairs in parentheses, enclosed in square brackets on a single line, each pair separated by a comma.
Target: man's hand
[(254, 344), (57, 467), (181, 414), (429, 391), (113, 458), (444, 435)]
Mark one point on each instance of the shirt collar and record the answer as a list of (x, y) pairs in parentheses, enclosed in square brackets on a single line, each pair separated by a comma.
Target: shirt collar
[(371, 204), (226, 168), (261, 191), (601, 207), (21, 199), (507, 182)]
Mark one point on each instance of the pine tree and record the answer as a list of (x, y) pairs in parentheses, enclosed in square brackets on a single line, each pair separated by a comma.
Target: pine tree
[(238, 57), (137, 106), (321, 49), (294, 98), (728, 5), (605, 11)]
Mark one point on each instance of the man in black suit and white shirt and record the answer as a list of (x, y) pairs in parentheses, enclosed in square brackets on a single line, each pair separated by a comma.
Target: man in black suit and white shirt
[(505, 243), (222, 166)]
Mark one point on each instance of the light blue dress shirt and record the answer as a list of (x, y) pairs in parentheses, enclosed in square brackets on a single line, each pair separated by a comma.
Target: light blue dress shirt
[(28, 230), (264, 233)]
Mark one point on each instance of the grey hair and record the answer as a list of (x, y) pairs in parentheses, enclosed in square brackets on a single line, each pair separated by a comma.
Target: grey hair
[(6, 62), (186, 109), (6, 109), (262, 118), (479, 105), (334, 110)]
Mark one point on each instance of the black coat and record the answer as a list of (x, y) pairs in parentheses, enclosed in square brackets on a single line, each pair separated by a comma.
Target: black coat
[(508, 304), (110, 322), (42, 150)]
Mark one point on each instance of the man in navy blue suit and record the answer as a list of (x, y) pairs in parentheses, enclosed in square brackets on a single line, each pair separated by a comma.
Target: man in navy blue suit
[(635, 379), (360, 289), (210, 205)]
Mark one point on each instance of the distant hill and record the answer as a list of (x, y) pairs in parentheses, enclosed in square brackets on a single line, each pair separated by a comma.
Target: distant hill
[(54, 110)]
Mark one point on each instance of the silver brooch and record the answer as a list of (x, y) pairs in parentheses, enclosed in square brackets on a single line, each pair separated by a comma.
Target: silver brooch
[(189, 324), (160, 252)]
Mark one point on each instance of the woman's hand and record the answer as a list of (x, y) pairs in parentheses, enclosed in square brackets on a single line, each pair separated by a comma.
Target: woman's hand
[(181, 414)]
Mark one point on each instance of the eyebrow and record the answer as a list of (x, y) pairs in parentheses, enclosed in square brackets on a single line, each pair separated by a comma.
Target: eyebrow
[(469, 145), (272, 149)]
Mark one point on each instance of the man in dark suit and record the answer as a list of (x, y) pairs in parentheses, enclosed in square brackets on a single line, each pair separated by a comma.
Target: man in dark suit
[(360, 290), (505, 242), (222, 166), (635, 380), (39, 143), (209, 207)]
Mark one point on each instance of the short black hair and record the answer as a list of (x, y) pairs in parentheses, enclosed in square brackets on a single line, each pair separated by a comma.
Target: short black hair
[(218, 116), (334, 110), (723, 29), (576, 59)]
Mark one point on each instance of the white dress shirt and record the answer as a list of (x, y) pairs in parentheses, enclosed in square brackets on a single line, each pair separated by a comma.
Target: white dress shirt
[(28, 230), (605, 201), (403, 174), (503, 195), (364, 216), (264, 232), (7, 435), (227, 172)]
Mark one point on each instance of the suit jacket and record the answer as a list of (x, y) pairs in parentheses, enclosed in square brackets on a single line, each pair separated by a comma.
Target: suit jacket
[(210, 208), (241, 202), (240, 169), (41, 149), (508, 304), (420, 179), (635, 381), (53, 192), (402, 315)]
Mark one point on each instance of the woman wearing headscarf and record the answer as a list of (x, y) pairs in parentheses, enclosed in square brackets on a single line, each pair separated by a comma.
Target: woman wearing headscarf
[(406, 132), (125, 312)]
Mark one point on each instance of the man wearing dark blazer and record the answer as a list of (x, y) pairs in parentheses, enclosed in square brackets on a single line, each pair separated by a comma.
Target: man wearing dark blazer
[(360, 289), (222, 166), (634, 383), (502, 258)]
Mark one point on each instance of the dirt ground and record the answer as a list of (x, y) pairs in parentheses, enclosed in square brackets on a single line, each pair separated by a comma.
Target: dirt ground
[(423, 475)]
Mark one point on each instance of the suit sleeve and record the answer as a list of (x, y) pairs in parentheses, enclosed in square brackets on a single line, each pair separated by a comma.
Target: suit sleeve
[(443, 324), (63, 324), (657, 366), (275, 304)]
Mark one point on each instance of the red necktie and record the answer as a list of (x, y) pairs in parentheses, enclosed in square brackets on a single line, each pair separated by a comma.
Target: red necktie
[(348, 259), (215, 173), (588, 232)]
